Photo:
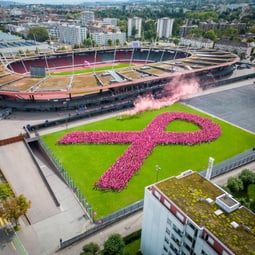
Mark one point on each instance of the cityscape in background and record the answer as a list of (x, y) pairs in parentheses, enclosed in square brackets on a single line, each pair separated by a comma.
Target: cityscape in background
[(220, 25)]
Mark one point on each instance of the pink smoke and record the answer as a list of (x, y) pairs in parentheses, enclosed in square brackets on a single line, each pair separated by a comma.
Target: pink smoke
[(176, 90)]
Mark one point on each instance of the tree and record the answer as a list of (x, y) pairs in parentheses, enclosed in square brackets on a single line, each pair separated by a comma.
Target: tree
[(5, 191), (39, 34), (230, 31), (235, 184), (247, 177), (134, 31), (117, 42), (196, 32), (114, 245), (14, 207), (87, 42), (109, 42), (90, 249), (210, 34)]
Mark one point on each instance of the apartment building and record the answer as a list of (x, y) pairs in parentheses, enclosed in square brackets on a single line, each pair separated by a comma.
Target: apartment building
[(72, 34), (87, 17), (165, 27), (135, 23), (102, 39), (189, 215)]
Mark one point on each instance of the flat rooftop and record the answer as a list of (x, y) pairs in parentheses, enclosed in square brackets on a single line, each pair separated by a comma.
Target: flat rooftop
[(196, 197)]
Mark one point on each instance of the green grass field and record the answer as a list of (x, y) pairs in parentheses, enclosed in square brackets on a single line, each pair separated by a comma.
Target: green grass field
[(92, 69), (86, 163)]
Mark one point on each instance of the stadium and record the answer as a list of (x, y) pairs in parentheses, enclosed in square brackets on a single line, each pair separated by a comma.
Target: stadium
[(112, 76)]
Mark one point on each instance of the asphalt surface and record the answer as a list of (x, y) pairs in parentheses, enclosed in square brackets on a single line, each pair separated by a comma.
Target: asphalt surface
[(43, 236), (236, 105)]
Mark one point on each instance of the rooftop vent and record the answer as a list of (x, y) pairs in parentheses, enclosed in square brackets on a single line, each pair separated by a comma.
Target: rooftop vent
[(234, 224)]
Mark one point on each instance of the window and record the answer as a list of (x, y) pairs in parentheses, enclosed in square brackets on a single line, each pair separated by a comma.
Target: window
[(178, 231), (169, 222), (166, 240), (189, 237), (167, 231)]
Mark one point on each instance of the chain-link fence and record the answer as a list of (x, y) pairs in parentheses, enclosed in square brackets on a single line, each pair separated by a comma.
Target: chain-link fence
[(68, 179)]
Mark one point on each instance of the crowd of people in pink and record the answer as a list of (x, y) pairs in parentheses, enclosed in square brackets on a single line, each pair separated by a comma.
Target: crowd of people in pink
[(142, 144)]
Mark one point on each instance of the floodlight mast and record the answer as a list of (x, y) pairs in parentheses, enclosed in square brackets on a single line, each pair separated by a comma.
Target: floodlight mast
[(209, 169)]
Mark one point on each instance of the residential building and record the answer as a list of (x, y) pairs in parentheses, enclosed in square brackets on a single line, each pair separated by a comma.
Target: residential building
[(240, 48), (72, 34), (87, 17), (190, 215), (110, 21), (196, 42), (102, 39), (165, 27), (184, 30), (135, 24)]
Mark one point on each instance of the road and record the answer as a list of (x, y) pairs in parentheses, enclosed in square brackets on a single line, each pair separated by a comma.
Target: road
[(10, 243)]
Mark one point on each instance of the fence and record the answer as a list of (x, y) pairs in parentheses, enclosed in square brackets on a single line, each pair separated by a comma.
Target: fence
[(104, 222), (68, 180), (232, 163)]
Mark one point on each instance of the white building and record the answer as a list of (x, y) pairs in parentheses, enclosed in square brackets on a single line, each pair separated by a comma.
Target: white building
[(135, 23), (165, 27), (72, 34), (110, 21), (87, 17), (102, 39), (188, 214), (196, 42)]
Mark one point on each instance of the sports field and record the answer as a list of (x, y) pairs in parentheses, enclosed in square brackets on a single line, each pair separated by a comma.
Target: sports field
[(97, 68), (86, 163)]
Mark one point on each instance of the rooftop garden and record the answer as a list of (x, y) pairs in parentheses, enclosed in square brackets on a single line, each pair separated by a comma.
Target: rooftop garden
[(190, 194)]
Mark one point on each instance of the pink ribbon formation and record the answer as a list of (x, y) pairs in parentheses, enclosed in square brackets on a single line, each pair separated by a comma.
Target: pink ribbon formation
[(142, 144)]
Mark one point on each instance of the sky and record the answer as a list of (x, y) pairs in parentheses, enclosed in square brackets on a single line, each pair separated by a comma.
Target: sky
[(54, 1)]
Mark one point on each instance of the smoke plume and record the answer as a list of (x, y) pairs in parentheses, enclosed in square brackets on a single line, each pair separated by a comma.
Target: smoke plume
[(177, 89)]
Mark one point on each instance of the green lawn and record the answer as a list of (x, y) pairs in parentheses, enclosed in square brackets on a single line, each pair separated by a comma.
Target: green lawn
[(133, 248), (86, 163), (92, 69)]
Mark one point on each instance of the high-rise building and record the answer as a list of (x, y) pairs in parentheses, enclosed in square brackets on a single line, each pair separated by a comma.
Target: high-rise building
[(190, 215), (135, 27), (87, 17), (72, 34), (165, 27)]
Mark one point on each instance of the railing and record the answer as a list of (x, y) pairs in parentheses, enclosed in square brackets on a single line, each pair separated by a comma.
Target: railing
[(232, 163), (68, 180), (104, 222)]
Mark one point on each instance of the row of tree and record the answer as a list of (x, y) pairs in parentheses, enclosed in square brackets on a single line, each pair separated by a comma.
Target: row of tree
[(114, 245)]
